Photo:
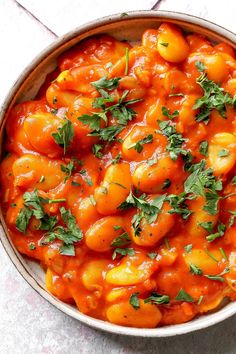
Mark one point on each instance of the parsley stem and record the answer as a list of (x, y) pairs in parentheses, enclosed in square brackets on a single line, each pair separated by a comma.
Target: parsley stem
[(167, 243), (200, 300), (211, 255), (228, 195), (126, 61), (222, 251), (52, 201)]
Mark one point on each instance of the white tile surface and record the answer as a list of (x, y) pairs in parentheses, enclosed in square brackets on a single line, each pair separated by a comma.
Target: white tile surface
[(63, 15), (220, 12), (22, 38), (28, 324)]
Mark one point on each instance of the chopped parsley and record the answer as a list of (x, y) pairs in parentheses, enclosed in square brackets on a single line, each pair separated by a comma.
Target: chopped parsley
[(109, 133), (195, 269), (68, 169), (107, 84), (188, 248), (166, 112), (165, 44), (166, 183), (184, 296), (116, 159), (211, 255), (232, 217), (126, 61), (121, 240), (175, 139), (222, 251), (157, 299), (200, 299), (139, 145), (221, 230), (223, 153), (215, 277), (152, 255), (33, 206), (134, 301), (32, 246), (65, 135), (200, 66), (69, 234), (214, 98), (208, 226), (121, 110), (96, 149), (123, 252), (203, 148), (149, 210)]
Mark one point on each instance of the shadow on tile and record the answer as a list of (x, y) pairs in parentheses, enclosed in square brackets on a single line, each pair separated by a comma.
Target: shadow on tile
[(219, 339)]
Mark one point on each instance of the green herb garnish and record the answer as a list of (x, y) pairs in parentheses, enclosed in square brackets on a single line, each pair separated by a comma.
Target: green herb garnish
[(134, 301), (68, 169), (65, 135), (139, 145), (184, 296), (203, 148), (123, 252), (157, 299)]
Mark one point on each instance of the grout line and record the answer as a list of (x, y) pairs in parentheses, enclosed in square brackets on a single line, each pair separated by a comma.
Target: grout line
[(32, 15), (156, 5)]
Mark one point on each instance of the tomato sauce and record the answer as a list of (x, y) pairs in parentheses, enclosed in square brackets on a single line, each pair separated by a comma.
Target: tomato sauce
[(119, 178)]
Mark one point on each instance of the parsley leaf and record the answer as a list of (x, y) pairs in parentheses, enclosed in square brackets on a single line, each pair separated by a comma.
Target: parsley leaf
[(221, 230), (200, 66), (108, 84), (166, 183), (23, 219), (120, 110), (152, 255), (116, 159), (179, 205), (208, 226), (93, 120), (150, 209), (96, 149), (188, 248), (223, 153), (134, 301), (139, 145), (108, 133), (215, 277), (123, 252), (166, 112), (214, 98), (195, 269), (69, 234), (184, 296), (121, 240), (232, 217), (33, 206), (203, 147), (68, 169), (157, 299), (165, 44), (136, 221), (175, 139), (65, 135)]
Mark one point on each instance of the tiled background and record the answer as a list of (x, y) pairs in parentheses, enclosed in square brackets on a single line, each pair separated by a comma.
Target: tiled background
[(28, 324)]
